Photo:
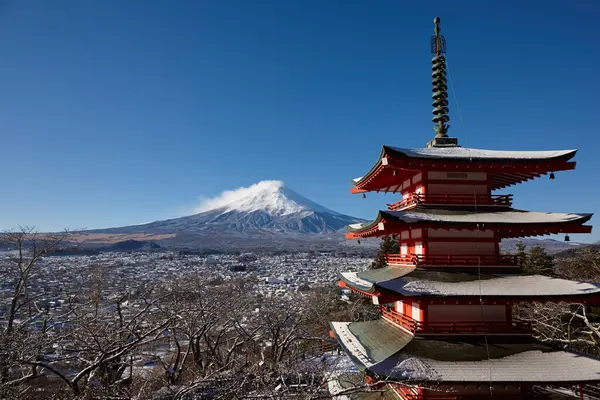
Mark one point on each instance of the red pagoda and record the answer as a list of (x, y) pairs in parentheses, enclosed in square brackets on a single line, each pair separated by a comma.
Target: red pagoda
[(447, 329)]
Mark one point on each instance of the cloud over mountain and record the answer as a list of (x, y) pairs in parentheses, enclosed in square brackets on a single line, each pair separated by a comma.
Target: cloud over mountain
[(267, 207)]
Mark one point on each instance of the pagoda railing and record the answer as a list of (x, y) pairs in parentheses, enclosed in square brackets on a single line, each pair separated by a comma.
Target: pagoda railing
[(452, 199), (456, 327), (454, 260)]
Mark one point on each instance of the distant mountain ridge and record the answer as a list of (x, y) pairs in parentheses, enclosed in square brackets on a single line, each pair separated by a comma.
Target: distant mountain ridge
[(267, 208), (265, 215)]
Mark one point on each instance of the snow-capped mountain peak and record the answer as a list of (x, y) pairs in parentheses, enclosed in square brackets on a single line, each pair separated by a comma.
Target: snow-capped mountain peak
[(267, 207), (272, 197)]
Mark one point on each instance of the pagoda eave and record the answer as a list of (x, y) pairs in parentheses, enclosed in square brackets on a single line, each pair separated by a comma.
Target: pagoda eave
[(503, 231), (392, 168), (381, 349), (395, 284), (377, 296), (508, 223)]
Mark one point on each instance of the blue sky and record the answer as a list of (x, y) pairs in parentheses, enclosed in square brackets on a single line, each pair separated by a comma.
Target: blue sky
[(120, 112)]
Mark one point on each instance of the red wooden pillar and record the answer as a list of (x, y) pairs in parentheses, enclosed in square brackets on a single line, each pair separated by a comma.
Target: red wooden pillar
[(424, 313), (424, 241)]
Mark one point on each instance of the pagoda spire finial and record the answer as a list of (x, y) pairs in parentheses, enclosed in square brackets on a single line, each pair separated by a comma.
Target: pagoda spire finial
[(440, 90)]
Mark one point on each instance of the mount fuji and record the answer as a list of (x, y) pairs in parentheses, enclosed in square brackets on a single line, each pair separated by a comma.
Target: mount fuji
[(268, 211)]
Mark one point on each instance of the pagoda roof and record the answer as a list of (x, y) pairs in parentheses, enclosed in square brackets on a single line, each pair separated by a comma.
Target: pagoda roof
[(506, 167), (390, 221), (417, 282), (388, 352), (462, 153)]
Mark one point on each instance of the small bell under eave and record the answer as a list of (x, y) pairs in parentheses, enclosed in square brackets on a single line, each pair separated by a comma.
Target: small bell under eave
[(567, 238), (395, 173), (364, 195), (551, 175), (358, 241)]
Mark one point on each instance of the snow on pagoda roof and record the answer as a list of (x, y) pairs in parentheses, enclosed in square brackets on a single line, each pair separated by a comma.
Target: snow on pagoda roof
[(468, 362), (391, 353), (412, 282), (468, 153), (442, 216), (370, 342), (535, 164), (357, 225), (366, 280), (433, 283)]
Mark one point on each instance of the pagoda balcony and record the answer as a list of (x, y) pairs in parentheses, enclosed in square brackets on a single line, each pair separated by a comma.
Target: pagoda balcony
[(514, 327), (414, 199), (502, 260)]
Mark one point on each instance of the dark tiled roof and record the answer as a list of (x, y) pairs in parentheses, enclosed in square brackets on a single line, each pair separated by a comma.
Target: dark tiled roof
[(465, 153), (371, 344), (365, 280)]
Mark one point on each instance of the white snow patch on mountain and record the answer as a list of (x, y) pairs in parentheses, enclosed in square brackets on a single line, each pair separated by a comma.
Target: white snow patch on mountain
[(272, 197)]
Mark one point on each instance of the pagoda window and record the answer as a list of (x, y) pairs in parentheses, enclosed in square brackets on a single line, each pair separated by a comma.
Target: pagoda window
[(416, 312), (403, 248), (418, 248), (399, 307)]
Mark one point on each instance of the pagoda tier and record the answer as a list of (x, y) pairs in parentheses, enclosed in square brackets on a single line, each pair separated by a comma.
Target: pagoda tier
[(442, 165), (500, 224), (447, 328), (387, 353), (430, 302), (395, 284)]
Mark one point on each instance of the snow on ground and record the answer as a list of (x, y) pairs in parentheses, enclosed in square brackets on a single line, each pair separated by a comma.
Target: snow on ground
[(352, 343)]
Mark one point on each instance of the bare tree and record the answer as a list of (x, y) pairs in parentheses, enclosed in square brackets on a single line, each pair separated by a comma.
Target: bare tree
[(567, 325), (29, 247), (204, 336)]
